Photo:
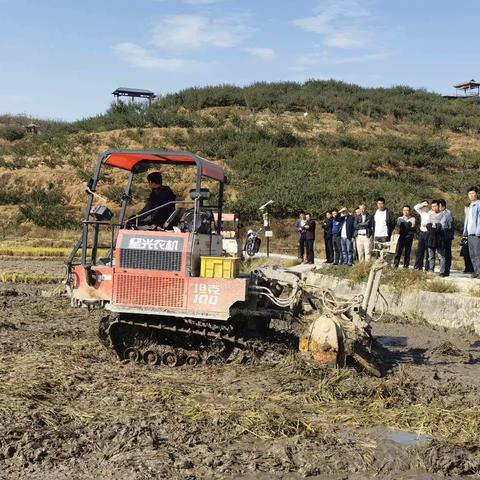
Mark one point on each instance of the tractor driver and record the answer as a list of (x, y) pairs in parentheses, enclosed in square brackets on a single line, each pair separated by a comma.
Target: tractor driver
[(160, 195)]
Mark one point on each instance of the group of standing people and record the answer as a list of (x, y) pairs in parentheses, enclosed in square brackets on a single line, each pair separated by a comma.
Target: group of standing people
[(435, 236), (349, 236)]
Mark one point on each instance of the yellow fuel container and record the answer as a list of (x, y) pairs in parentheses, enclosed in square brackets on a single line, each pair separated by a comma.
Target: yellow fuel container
[(219, 267)]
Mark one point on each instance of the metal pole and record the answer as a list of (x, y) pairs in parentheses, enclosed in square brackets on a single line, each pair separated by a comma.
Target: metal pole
[(220, 208), (91, 187), (267, 228)]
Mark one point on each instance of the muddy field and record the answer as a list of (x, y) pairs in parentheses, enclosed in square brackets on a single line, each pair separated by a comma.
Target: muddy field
[(69, 409)]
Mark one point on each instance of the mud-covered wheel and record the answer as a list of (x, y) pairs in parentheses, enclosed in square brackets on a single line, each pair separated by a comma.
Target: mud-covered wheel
[(193, 360), (151, 357), (213, 359), (170, 359), (131, 354), (103, 329), (218, 346), (368, 360)]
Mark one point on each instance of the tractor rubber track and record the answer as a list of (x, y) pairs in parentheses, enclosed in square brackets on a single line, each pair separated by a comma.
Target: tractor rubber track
[(173, 341)]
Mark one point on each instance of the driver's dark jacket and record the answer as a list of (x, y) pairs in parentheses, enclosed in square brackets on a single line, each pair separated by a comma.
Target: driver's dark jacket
[(158, 196)]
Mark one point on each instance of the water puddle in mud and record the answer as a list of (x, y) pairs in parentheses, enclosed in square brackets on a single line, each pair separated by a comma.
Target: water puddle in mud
[(406, 439), (382, 436), (392, 341)]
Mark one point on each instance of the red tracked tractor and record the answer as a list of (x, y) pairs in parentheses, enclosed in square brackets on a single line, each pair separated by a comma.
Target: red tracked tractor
[(175, 295)]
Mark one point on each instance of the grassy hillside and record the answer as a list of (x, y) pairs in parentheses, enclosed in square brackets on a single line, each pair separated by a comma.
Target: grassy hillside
[(353, 145)]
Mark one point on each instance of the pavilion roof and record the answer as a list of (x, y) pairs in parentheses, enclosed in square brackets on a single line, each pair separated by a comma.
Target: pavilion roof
[(468, 84), (133, 92)]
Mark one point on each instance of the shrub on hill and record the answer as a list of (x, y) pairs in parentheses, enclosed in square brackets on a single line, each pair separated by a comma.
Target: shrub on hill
[(46, 207), (340, 98), (295, 178), (12, 132), (344, 100), (10, 195), (159, 116), (196, 98)]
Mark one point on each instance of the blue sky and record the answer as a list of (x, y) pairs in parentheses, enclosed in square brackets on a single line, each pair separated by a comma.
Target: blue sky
[(62, 59)]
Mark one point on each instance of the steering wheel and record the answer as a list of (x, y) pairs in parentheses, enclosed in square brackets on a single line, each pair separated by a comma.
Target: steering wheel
[(204, 219)]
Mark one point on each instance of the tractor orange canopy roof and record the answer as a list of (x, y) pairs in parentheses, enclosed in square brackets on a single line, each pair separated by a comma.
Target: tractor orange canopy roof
[(128, 159)]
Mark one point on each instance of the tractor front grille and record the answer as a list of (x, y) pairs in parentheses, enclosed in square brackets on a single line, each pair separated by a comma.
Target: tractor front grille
[(164, 261), (140, 290)]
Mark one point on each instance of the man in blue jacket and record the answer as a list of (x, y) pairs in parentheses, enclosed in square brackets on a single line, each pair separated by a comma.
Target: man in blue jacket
[(346, 236), (337, 245), (471, 230)]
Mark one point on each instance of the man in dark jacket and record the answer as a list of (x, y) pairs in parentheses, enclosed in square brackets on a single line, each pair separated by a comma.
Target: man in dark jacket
[(363, 233), (309, 228), (406, 227), (346, 236), (160, 195), (383, 222), (327, 236)]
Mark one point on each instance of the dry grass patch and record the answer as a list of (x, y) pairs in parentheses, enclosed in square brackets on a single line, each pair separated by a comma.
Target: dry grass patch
[(26, 277), (257, 262), (342, 397), (405, 280), (27, 251), (440, 286), (475, 291)]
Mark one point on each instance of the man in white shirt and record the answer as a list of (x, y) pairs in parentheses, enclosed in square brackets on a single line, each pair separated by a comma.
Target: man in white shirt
[(471, 230), (383, 222), (423, 209), (435, 235), (448, 232)]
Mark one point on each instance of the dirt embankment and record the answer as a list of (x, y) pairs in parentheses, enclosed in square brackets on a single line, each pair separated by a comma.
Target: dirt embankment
[(68, 409)]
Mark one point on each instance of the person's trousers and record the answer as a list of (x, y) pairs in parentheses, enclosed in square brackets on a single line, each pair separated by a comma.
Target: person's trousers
[(337, 251), (468, 262), (432, 256), (445, 255), (422, 251), (474, 251), (329, 248), (364, 248), (309, 250), (301, 247), (347, 251), (404, 246)]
